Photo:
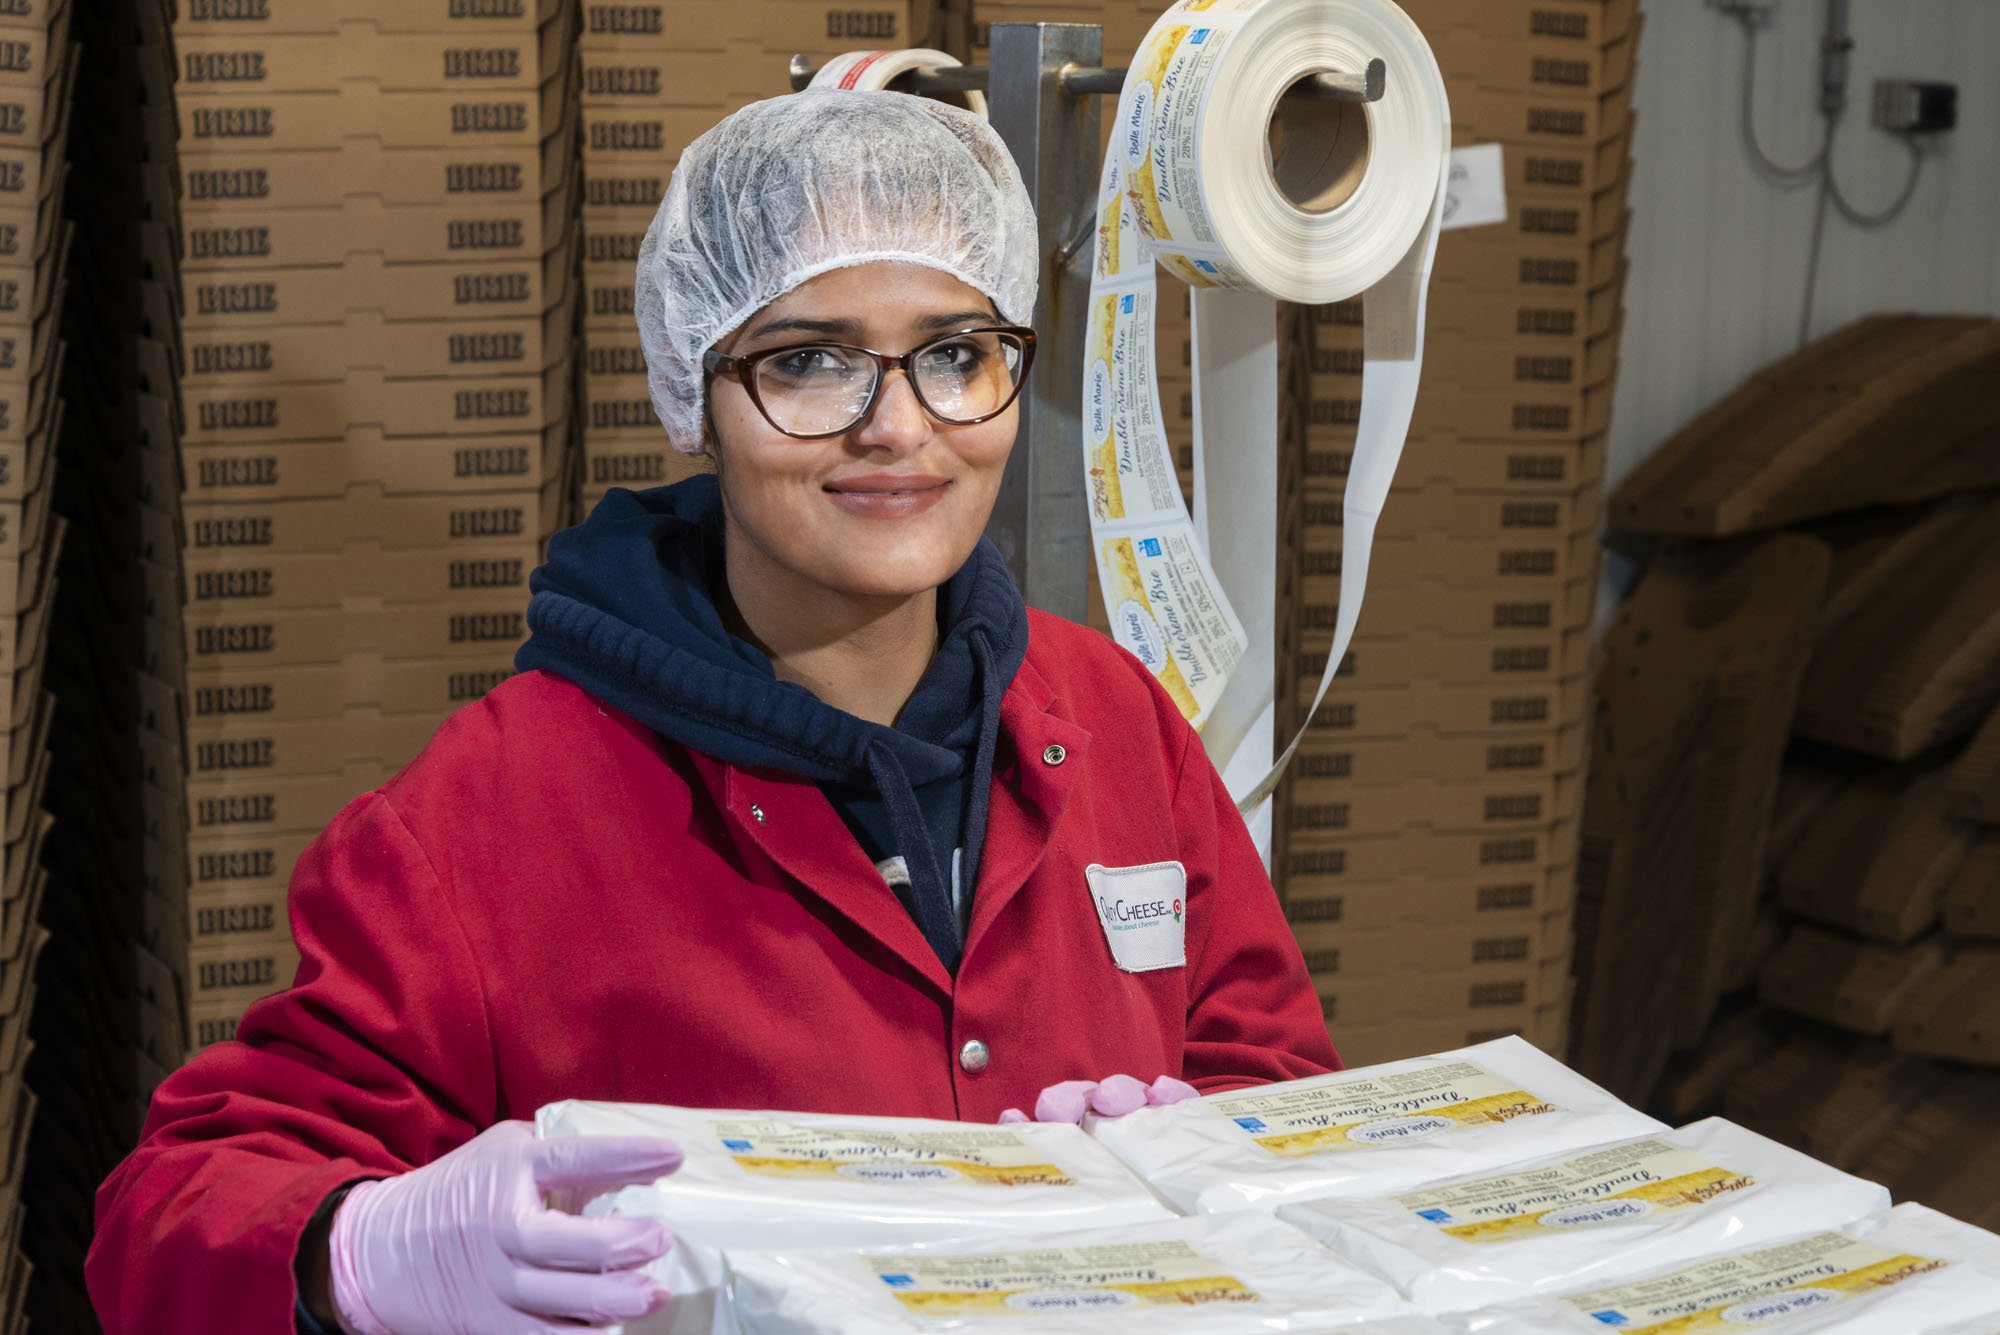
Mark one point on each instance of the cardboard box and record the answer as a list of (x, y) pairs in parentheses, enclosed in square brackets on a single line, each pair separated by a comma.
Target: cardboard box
[(393, 685), (1501, 904), (1563, 25), (1504, 709), (1531, 64), (276, 805), (245, 534), (1446, 461), (1440, 621), (229, 184), (252, 411), (257, 119), (1877, 860), (250, 238), (220, 749), (650, 134), (229, 64), (1467, 350), (1436, 994), (1971, 901), (1917, 662), (1845, 981), (326, 469), (333, 579), (465, 350), (1319, 806), (1829, 1095), (1340, 953), (1539, 561), (1955, 1013), (480, 627), (1426, 755), (362, 281), (405, 16), (699, 68), (241, 865), (1320, 864), (1529, 268), (1483, 659), (622, 194), (1882, 412), (619, 465), (239, 919), (222, 975)]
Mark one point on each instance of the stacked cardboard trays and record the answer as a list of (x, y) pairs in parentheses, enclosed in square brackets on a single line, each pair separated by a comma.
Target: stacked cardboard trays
[(1442, 781), (655, 76), (36, 74), (380, 285)]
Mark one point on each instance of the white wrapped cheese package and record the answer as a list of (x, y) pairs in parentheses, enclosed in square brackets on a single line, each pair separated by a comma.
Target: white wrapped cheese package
[(1584, 1218), (803, 1180), (1369, 1131), (1906, 1271), (1239, 1273)]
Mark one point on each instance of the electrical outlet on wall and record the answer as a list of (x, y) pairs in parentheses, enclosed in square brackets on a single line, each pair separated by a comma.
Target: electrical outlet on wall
[(1915, 106)]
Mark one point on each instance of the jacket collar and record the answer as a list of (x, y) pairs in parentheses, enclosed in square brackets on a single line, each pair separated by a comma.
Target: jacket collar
[(801, 833)]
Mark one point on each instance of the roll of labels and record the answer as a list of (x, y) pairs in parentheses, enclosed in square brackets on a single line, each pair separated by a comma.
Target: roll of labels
[(1349, 202)]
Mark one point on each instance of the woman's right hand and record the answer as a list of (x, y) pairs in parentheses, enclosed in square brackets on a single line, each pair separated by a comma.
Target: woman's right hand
[(465, 1245)]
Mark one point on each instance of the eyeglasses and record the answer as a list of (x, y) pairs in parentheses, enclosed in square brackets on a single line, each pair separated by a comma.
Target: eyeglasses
[(815, 390)]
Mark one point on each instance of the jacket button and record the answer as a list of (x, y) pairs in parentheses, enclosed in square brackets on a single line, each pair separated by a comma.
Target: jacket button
[(756, 813), (974, 1056), (1055, 755)]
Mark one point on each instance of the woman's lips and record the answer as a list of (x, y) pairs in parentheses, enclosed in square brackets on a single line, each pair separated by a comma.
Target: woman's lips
[(888, 495)]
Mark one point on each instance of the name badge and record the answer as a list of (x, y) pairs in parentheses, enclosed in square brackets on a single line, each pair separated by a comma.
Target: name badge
[(1143, 911)]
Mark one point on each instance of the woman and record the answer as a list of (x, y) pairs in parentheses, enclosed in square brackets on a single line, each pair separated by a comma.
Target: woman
[(793, 805)]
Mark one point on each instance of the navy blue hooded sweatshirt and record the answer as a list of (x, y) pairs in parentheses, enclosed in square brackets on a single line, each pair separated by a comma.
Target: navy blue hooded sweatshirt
[(625, 608)]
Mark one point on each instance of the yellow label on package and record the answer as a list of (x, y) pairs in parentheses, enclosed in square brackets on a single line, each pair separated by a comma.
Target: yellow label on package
[(1161, 599), (1752, 1289), (988, 1158), (1383, 1111), (1059, 1282), (1612, 1186), (1131, 475)]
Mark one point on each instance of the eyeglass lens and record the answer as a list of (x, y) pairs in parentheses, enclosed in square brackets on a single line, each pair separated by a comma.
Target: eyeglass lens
[(823, 388)]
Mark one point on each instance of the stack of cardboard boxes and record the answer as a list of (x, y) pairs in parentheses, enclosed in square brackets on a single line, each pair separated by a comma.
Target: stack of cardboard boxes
[(36, 71), (379, 205), (655, 76), (1430, 829), (1812, 929)]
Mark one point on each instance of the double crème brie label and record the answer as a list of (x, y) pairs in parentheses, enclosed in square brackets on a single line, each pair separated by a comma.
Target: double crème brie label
[(1608, 1187), (1379, 1111), (1749, 1290), (995, 1158), (1060, 1281)]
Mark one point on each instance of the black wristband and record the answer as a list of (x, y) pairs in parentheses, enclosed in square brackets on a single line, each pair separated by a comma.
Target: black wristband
[(303, 1320)]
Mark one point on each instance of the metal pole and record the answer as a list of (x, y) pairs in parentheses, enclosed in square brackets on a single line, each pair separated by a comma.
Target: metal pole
[(1040, 523)]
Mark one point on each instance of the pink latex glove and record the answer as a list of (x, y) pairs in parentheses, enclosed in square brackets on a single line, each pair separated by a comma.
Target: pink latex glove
[(464, 1245), (1113, 1096)]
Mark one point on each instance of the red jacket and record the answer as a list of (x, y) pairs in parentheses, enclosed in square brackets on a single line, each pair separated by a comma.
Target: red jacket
[(553, 902)]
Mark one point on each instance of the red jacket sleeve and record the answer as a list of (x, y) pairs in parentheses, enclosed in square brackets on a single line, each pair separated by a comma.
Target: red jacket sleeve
[(376, 1060), (1252, 1013)]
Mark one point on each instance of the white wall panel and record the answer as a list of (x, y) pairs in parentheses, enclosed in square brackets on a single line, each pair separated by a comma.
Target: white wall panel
[(1718, 257)]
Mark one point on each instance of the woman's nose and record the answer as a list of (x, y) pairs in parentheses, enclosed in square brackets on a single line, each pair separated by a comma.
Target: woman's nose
[(897, 421)]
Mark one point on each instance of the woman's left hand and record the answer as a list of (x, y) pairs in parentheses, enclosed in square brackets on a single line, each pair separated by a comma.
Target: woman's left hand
[(1113, 1096)]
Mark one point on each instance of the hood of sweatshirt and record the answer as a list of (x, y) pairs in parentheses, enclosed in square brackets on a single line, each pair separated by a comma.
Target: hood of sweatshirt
[(625, 608)]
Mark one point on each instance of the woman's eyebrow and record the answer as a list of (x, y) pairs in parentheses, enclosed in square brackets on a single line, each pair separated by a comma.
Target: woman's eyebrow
[(802, 325), (848, 328), (956, 320)]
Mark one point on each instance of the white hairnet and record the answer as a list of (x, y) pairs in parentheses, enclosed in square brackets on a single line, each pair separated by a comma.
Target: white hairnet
[(795, 186)]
